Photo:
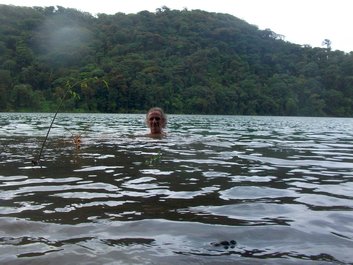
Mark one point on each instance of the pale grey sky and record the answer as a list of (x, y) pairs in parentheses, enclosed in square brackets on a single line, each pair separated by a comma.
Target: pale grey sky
[(300, 21)]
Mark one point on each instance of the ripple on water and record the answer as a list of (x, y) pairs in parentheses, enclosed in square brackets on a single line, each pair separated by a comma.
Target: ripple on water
[(5, 179), (252, 178), (156, 172), (252, 192), (321, 200), (254, 212), (97, 168)]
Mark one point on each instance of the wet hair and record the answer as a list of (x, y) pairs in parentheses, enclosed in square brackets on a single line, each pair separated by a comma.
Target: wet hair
[(163, 115)]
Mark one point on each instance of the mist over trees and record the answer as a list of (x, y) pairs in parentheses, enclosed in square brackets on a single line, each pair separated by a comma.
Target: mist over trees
[(183, 61)]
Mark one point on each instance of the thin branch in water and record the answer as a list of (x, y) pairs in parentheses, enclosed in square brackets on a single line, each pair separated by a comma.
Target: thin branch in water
[(36, 162), (77, 138)]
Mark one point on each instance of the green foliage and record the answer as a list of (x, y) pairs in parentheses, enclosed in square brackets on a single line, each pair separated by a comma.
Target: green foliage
[(184, 61), (155, 159)]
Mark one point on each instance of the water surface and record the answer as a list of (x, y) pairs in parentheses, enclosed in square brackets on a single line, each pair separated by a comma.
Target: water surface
[(216, 190)]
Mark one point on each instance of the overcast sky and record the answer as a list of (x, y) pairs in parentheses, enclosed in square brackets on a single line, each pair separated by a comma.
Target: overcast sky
[(300, 21)]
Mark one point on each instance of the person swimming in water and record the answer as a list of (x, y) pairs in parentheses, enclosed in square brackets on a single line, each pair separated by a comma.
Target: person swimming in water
[(156, 121)]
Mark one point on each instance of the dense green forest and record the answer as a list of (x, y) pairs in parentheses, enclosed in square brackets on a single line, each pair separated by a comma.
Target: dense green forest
[(183, 61)]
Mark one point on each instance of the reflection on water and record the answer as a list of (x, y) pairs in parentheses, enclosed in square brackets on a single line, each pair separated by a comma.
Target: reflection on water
[(216, 190)]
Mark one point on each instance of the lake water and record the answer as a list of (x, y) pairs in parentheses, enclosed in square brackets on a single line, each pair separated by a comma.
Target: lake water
[(215, 190)]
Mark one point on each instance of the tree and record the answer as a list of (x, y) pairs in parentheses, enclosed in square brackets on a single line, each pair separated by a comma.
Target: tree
[(327, 43), (5, 85), (185, 61)]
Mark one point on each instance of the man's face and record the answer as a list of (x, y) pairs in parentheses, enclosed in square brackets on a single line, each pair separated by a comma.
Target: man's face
[(155, 122)]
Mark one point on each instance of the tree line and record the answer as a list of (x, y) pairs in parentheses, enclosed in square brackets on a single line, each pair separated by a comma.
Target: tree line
[(183, 61)]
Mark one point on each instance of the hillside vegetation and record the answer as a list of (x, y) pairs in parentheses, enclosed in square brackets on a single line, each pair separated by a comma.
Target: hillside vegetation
[(183, 61)]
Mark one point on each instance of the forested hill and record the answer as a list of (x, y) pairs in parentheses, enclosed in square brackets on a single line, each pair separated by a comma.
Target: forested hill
[(184, 61)]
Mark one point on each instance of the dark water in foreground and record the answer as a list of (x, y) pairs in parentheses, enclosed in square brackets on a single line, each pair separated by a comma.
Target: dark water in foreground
[(216, 190)]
